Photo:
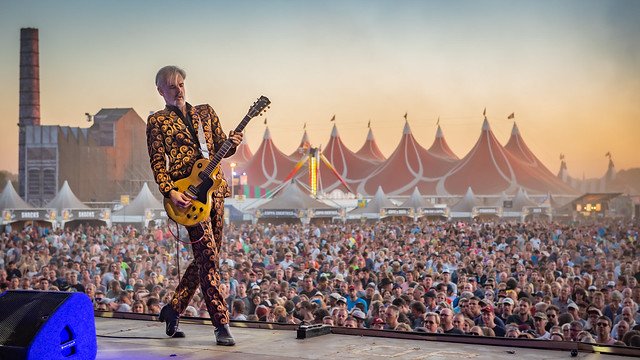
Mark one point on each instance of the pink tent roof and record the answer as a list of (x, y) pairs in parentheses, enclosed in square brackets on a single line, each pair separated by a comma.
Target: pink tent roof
[(305, 144), (370, 149), (269, 166), (490, 169), (485, 168), (350, 166), (409, 166), (543, 177), (441, 148)]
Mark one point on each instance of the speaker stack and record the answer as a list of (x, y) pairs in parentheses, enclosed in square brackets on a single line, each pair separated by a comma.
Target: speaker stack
[(46, 325)]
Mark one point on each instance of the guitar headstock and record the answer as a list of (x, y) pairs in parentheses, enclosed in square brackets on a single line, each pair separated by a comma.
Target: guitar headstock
[(259, 106)]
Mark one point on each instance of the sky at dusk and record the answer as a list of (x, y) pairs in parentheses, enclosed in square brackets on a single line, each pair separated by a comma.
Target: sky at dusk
[(569, 70)]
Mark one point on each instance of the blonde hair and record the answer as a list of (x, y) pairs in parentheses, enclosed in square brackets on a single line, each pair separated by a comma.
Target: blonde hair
[(167, 73)]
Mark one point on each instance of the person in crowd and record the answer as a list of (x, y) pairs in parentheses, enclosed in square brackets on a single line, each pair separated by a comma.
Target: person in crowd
[(446, 322), (603, 331)]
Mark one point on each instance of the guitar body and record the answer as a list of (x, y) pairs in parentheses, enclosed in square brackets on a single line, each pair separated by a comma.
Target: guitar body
[(202, 182), (199, 187)]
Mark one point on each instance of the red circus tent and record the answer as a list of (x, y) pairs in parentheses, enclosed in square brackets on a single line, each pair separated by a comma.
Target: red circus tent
[(268, 166), (490, 169), (441, 148), (370, 150), (409, 166), (485, 168), (350, 166), (542, 177)]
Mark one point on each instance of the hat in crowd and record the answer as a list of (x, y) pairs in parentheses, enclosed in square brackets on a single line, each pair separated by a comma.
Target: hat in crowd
[(616, 295), (540, 315), (335, 296), (371, 285), (255, 287), (377, 321), (128, 288), (593, 309), (352, 287), (262, 311), (487, 308), (472, 279), (508, 300), (611, 284), (592, 288), (339, 277), (384, 282), (317, 301), (445, 270), (539, 294), (572, 305), (358, 314), (342, 299)]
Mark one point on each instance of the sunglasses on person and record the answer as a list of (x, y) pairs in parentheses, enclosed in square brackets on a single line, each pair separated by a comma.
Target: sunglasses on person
[(602, 324), (474, 334)]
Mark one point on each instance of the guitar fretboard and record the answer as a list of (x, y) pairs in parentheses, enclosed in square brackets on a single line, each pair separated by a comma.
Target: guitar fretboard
[(223, 150)]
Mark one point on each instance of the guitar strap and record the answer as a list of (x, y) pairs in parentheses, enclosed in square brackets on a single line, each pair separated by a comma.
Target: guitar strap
[(202, 140)]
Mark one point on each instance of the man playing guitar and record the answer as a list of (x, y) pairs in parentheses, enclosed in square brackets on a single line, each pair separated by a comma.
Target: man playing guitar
[(183, 134)]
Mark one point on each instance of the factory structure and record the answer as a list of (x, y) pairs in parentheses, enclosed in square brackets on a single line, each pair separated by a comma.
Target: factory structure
[(101, 163)]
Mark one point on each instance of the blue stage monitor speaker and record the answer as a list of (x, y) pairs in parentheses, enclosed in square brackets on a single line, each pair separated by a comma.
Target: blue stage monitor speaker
[(46, 325)]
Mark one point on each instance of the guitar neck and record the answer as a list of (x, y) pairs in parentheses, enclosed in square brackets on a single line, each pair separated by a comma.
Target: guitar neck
[(225, 148)]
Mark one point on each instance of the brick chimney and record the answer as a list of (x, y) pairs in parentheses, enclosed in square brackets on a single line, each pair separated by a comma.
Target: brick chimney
[(29, 96), (29, 77)]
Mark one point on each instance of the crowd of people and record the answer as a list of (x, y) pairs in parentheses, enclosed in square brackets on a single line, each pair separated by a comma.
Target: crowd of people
[(548, 281)]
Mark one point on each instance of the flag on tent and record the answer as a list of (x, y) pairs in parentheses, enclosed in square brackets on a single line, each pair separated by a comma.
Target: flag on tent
[(511, 116), (333, 118), (405, 115)]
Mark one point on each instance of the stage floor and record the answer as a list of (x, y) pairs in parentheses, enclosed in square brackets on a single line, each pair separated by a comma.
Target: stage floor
[(138, 339)]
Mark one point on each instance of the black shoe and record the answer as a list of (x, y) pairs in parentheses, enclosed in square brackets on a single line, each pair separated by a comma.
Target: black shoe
[(223, 336), (171, 318)]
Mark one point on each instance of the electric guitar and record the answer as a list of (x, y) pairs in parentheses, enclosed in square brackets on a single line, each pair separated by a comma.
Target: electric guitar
[(201, 183)]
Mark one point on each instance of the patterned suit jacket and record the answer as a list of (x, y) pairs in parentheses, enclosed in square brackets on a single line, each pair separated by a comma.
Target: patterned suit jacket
[(168, 137)]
